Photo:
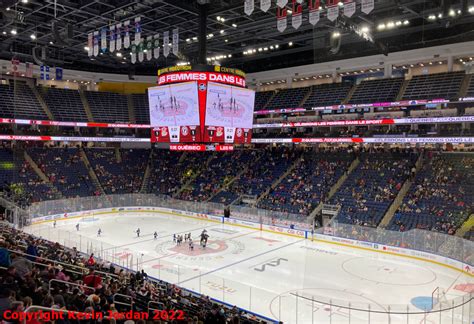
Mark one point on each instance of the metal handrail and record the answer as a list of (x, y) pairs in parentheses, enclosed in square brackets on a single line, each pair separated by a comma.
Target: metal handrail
[(156, 303), (35, 308), (68, 283), (122, 303), (105, 274)]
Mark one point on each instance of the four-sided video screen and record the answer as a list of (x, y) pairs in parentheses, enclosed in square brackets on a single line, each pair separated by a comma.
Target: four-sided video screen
[(201, 112)]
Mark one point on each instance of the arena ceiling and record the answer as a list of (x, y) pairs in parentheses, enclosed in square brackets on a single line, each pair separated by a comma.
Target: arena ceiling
[(452, 22)]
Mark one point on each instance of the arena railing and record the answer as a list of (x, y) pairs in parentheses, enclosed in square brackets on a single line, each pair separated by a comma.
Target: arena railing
[(288, 307)]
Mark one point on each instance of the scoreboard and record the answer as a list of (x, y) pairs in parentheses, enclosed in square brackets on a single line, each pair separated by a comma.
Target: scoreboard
[(174, 113), (229, 114), (201, 104)]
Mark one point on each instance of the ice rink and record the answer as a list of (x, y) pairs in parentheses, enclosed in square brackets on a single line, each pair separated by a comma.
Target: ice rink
[(282, 277)]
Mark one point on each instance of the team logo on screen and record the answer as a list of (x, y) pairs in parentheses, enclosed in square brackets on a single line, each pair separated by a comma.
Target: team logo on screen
[(202, 87), (185, 130), (219, 131), (239, 132), (164, 131)]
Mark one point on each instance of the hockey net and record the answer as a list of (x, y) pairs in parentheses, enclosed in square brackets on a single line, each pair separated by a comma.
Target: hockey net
[(438, 299)]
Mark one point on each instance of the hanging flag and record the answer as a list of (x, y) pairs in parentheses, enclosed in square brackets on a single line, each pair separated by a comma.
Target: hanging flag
[(281, 20), (126, 37), (103, 39), (59, 73), (156, 46), (249, 6), (281, 3), (44, 72), (149, 47), (96, 43), (29, 70), (166, 43), (175, 41), (367, 6), (141, 53), (112, 38), (133, 54), (265, 5), (138, 30), (333, 12), (349, 8), (297, 15), (118, 37)]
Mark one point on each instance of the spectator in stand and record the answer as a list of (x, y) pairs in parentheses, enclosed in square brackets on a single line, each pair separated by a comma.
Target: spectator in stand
[(18, 292)]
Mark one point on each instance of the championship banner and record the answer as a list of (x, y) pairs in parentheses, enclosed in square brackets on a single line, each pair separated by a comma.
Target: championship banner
[(367, 6), (90, 44), (118, 37), (249, 6), (265, 5), (149, 48), (103, 39), (349, 8), (282, 3), (296, 18), (141, 53), (166, 43), (333, 12), (138, 31), (314, 11), (112, 38), (175, 41), (281, 20), (126, 37), (133, 54), (96, 43), (156, 46)]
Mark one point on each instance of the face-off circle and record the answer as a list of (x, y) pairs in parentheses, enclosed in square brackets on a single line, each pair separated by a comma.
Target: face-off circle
[(388, 272)]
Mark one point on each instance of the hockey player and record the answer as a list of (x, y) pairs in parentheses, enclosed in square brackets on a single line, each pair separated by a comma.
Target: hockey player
[(155, 235), (77, 227), (99, 232), (138, 232), (54, 224)]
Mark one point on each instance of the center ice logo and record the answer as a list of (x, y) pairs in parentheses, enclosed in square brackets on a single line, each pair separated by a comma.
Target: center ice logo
[(215, 249), (211, 248)]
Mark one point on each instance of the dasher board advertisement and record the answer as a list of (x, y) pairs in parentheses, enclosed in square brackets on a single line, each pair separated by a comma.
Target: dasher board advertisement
[(229, 114)]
